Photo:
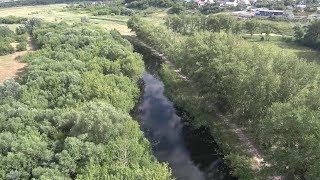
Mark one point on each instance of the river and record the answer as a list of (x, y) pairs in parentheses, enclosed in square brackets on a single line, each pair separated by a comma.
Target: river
[(192, 154)]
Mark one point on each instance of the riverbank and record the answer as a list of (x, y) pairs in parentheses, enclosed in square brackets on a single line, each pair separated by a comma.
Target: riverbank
[(181, 91), (184, 96), (192, 154)]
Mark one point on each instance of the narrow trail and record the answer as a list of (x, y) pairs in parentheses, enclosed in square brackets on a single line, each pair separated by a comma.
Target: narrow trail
[(256, 155)]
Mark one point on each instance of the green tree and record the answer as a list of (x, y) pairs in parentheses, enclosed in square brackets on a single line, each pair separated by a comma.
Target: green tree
[(251, 26), (312, 36), (31, 24), (298, 33)]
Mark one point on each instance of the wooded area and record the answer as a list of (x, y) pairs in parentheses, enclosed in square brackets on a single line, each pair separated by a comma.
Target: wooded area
[(67, 115), (272, 92)]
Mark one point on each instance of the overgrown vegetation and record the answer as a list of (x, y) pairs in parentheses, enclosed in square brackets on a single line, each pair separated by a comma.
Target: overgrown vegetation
[(6, 37), (101, 10), (191, 24), (35, 2), (12, 20), (269, 91), (144, 4), (68, 115), (184, 94), (22, 46)]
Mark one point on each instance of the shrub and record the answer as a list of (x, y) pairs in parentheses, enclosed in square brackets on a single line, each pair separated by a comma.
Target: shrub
[(85, 19), (177, 9), (5, 48), (12, 20), (5, 32), (22, 38), (21, 30), (22, 46)]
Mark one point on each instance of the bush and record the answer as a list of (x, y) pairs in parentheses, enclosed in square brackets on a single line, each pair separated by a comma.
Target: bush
[(22, 46), (21, 30), (242, 165), (210, 8), (177, 9), (12, 20), (22, 38), (287, 39), (138, 5), (85, 19), (5, 32), (5, 48)]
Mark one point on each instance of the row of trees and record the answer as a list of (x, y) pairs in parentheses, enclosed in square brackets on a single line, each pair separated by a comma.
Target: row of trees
[(35, 2), (272, 92), (190, 24), (67, 117), (12, 20), (99, 10), (144, 4)]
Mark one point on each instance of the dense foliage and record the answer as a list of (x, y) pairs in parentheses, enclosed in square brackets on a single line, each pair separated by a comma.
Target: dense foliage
[(100, 9), (312, 36), (190, 24), (144, 4), (22, 46), (270, 91), (12, 20), (6, 37), (68, 116), (35, 2)]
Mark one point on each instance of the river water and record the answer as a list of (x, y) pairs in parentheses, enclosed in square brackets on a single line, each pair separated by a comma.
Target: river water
[(191, 153)]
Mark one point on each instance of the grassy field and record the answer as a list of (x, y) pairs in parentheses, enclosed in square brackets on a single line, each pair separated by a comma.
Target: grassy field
[(56, 13), (301, 51)]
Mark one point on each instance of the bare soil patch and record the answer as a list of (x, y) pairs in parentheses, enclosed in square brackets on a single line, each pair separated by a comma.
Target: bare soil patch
[(10, 66)]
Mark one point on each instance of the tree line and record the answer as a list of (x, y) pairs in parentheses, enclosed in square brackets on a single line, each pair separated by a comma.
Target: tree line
[(67, 115), (35, 2), (100, 10), (190, 24), (12, 20), (271, 92)]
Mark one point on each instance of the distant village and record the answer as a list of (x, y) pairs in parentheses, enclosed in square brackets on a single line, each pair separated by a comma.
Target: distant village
[(248, 9)]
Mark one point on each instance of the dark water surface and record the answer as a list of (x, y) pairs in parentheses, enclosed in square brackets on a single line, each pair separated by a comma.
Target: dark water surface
[(191, 153)]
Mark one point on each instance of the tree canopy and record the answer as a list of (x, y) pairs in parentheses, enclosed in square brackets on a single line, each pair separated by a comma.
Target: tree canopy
[(272, 92), (67, 116)]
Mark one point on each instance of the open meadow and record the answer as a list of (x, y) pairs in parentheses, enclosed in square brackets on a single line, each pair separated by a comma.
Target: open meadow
[(303, 52)]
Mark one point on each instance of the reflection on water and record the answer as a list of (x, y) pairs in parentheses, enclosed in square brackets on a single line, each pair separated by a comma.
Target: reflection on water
[(191, 154)]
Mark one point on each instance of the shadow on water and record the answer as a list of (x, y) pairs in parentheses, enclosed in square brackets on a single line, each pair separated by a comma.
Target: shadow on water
[(191, 153)]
